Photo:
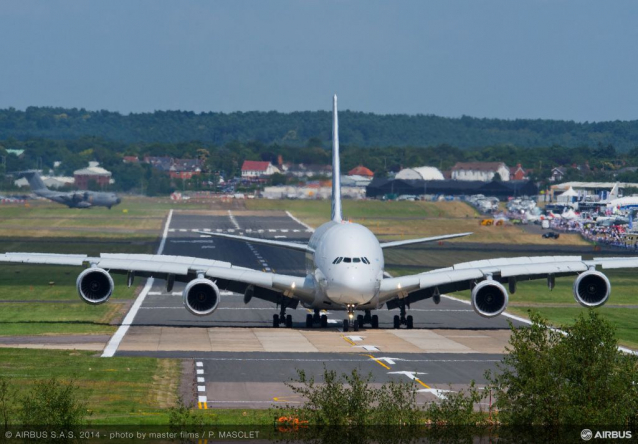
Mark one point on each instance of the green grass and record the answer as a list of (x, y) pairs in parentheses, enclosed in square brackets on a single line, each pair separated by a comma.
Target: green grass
[(44, 286), (118, 391), (625, 320)]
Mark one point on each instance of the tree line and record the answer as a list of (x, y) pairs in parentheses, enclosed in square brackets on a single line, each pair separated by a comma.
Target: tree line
[(295, 128), (604, 162)]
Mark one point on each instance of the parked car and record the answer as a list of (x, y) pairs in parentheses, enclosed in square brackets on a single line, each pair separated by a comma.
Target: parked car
[(551, 235)]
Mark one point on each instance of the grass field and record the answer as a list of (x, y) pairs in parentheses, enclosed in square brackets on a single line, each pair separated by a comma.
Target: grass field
[(117, 391), (404, 220)]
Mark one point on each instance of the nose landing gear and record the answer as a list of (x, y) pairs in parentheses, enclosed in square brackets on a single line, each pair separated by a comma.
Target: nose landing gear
[(360, 321)]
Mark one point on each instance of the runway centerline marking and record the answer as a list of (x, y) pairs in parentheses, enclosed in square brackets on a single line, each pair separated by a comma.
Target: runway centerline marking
[(116, 339), (378, 361)]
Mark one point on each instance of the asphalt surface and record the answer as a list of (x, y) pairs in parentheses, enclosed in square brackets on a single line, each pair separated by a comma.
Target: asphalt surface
[(447, 345)]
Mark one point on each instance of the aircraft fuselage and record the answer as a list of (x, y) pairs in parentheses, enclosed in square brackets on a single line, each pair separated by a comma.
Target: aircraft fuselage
[(346, 263)]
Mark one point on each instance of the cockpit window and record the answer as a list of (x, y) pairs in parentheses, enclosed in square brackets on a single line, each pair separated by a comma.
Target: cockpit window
[(337, 260), (365, 260), (347, 260), (356, 260)]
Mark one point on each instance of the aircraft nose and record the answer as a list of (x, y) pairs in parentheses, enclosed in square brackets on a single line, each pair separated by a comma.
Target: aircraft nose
[(351, 287)]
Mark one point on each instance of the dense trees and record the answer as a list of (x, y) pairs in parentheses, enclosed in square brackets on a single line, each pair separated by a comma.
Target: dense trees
[(604, 162), (311, 128)]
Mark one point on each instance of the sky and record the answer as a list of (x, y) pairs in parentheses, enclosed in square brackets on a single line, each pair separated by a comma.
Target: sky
[(549, 59)]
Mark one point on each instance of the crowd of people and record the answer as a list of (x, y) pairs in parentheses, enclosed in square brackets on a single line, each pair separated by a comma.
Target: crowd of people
[(614, 235)]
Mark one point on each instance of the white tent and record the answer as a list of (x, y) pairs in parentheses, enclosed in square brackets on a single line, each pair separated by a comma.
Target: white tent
[(568, 196)]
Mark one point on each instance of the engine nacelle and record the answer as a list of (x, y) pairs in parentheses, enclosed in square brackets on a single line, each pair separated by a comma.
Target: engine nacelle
[(201, 296), (489, 298), (95, 286), (591, 289)]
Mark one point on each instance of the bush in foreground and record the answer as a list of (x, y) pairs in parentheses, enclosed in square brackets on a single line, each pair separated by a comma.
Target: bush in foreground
[(579, 377)]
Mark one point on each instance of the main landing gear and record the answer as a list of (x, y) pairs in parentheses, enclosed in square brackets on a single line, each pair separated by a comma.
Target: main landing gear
[(316, 319), (360, 321), (403, 320), (282, 318)]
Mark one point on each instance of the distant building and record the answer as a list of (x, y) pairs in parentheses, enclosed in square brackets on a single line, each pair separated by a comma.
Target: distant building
[(361, 171), (17, 153), (130, 159), (557, 174), (93, 173), (518, 173), (420, 173), (50, 181), (254, 168), (310, 170), (482, 171), (185, 168)]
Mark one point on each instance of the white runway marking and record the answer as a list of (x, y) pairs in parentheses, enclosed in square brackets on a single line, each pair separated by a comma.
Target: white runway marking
[(233, 220), (279, 237), (199, 364), (200, 371), (200, 379), (114, 343), (355, 338), (309, 229), (370, 348), (201, 388)]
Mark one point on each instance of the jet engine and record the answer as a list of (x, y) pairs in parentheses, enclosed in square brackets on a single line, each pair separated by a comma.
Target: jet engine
[(591, 289), (201, 296), (489, 298), (95, 286)]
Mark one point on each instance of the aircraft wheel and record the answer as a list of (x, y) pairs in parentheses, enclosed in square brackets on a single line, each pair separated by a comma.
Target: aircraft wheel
[(397, 322), (375, 321), (316, 318), (356, 326), (289, 321), (324, 321), (308, 321), (346, 325), (410, 322), (275, 321), (360, 320)]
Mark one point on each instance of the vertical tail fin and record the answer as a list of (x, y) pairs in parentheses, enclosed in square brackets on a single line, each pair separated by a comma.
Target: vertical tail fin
[(336, 170), (613, 194), (35, 181)]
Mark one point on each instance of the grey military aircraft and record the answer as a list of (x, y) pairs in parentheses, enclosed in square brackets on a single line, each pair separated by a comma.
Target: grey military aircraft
[(344, 272), (72, 199)]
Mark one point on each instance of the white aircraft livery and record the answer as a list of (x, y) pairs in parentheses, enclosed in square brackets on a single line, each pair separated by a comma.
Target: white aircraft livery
[(344, 271)]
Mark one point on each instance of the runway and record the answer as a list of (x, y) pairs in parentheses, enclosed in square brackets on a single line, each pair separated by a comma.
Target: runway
[(242, 361)]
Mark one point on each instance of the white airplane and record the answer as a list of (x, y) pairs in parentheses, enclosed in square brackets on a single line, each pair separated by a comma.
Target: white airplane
[(345, 271)]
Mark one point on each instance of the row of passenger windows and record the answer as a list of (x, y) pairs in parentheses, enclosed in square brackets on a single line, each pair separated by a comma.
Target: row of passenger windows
[(348, 260)]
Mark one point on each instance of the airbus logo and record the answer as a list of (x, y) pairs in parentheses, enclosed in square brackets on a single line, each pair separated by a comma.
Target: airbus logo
[(587, 434)]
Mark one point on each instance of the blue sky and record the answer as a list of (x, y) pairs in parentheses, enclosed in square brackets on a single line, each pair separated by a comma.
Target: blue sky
[(564, 59)]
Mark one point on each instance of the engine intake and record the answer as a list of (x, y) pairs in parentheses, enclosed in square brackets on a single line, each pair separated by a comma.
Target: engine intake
[(592, 289), (95, 286), (201, 297), (489, 298)]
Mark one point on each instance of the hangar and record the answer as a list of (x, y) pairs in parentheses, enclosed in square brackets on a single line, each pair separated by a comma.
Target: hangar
[(502, 190)]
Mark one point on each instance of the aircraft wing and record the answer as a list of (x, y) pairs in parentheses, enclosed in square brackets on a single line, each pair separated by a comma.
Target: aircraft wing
[(268, 286), (462, 276), (260, 241), (422, 240)]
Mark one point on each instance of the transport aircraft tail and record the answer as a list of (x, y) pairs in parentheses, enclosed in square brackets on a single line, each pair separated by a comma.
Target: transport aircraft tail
[(336, 170), (34, 179), (613, 194)]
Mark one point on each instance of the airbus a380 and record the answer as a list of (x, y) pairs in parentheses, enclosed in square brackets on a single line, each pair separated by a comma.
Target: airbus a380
[(345, 271)]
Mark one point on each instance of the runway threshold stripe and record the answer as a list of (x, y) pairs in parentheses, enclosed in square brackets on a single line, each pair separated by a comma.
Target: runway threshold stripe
[(114, 343)]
